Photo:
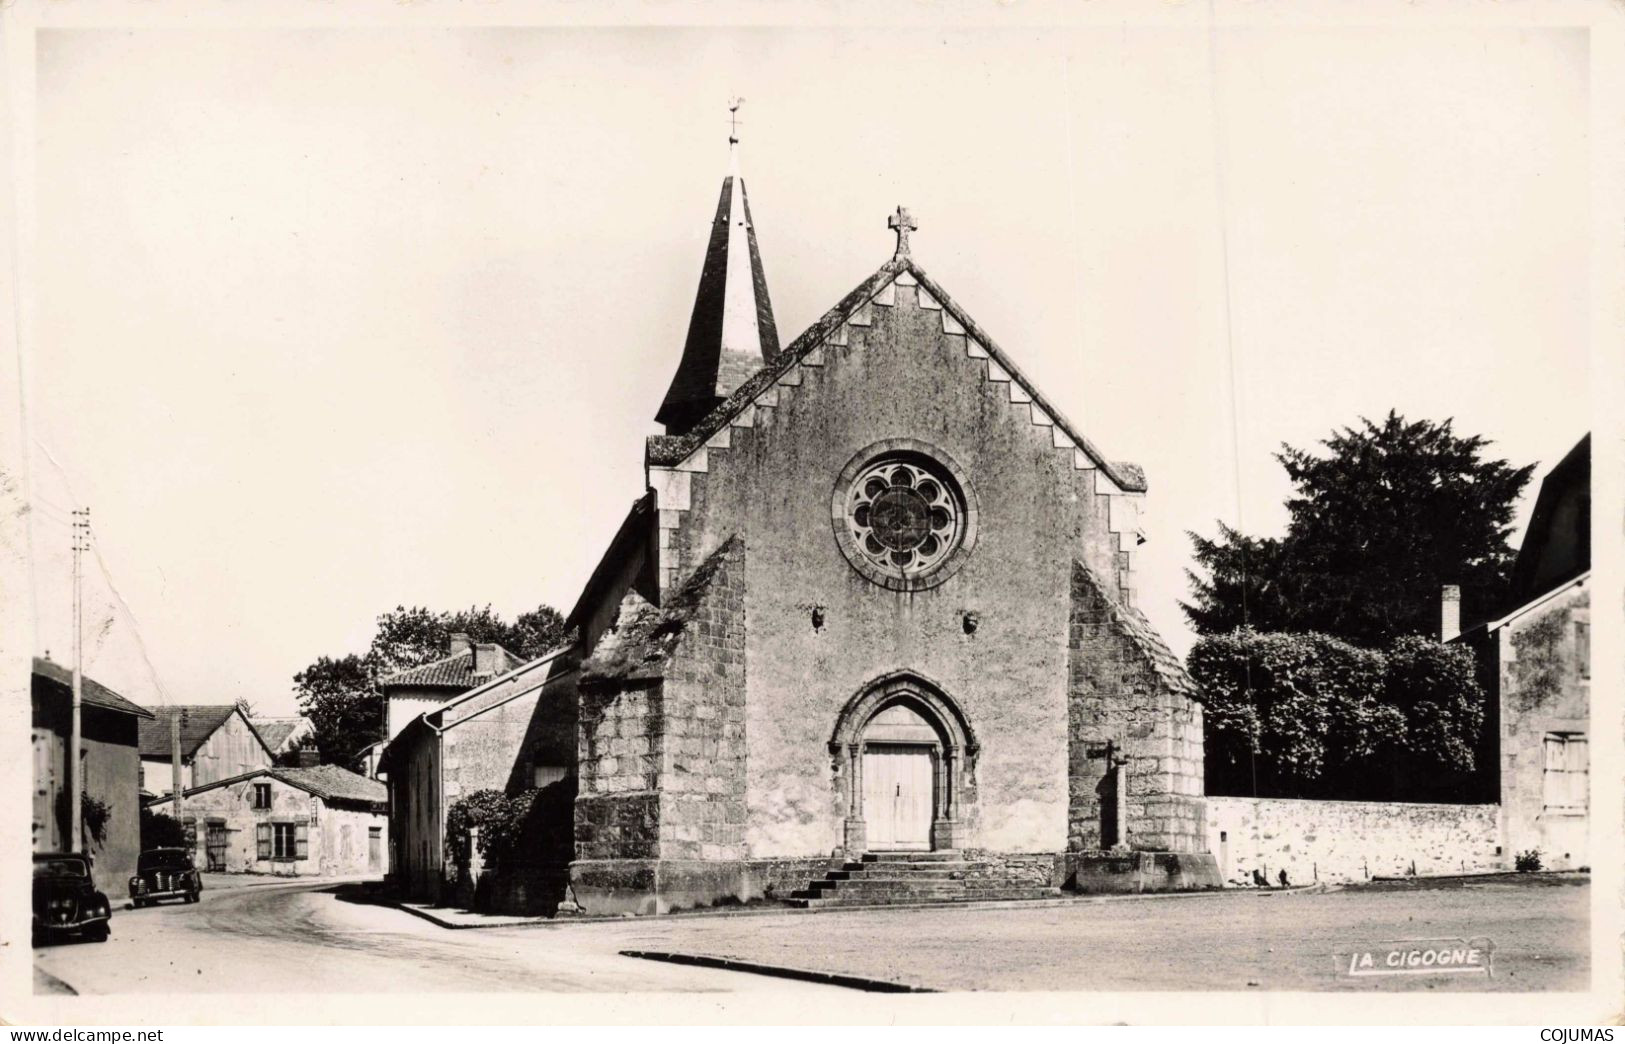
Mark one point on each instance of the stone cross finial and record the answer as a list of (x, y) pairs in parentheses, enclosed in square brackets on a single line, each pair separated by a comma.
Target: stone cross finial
[(902, 223)]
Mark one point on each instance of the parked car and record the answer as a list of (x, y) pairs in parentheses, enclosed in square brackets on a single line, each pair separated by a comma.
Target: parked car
[(164, 873), (65, 902)]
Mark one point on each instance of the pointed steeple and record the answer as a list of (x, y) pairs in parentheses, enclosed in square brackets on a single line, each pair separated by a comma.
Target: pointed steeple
[(731, 334)]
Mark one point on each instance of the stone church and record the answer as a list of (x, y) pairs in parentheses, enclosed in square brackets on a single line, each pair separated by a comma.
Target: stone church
[(877, 600)]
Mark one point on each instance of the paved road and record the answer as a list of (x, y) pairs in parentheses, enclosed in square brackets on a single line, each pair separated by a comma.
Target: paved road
[(1228, 941), (304, 938), (301, 938)]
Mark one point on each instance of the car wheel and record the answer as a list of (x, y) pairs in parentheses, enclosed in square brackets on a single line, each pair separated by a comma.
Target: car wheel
[(138, 903), (192, 896)]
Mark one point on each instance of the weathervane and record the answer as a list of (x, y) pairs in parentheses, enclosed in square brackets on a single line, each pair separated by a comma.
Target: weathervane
[(733, 120)]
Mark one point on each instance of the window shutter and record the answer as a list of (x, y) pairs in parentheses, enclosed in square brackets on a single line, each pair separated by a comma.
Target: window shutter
[(263, 836), (302, 841)]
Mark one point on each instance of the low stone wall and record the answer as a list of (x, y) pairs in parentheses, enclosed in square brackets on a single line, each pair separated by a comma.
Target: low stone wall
[(1340, 841), (1039, 869)]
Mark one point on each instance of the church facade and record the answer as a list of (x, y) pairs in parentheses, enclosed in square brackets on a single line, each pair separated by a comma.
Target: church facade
[(879, 596)]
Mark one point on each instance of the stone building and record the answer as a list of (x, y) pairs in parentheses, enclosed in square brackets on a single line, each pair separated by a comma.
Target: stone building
[(421, 689), (216, 741), (491, 737), (878, 596), (319, 820), (1535, 666), (109, 734)]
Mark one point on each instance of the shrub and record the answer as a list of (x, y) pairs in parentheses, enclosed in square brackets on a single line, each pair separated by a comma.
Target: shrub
[(531, 827), (1306, 715), (1528, 861), (161, 831)]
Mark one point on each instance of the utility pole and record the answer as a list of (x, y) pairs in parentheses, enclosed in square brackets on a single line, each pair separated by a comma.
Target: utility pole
[(76, 784), (175, 762)]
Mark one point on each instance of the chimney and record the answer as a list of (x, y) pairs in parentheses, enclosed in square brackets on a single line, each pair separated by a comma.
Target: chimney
[(1449, 612), (309, 757), (486, 659), (460, 643)]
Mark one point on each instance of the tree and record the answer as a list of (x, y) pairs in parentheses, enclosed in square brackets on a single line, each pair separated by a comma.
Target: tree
[(1378, 524), (341, 696)]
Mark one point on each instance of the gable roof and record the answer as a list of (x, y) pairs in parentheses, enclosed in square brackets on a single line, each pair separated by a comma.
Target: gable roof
[(670, 450), (327, 782), (275, 731), (91, 691), (1557, 544), (452, 672), (198, 723)]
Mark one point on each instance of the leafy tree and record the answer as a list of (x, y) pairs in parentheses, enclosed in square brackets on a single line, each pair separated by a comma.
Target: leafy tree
[(1305, 715), (341, 699), (341, 696), (1378, 524), (411, 637)]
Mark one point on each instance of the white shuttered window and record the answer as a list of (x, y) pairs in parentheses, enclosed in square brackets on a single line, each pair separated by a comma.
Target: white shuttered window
[(1568, 763)]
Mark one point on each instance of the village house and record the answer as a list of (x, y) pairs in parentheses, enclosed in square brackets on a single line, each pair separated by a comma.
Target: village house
[(216, 741), (109, 731), (1535, 666), (877, 598), (295, 821), (417, 690), (484, 739), (284, 736)]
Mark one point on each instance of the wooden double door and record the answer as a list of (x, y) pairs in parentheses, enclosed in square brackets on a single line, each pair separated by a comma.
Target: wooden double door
[(899, 797)]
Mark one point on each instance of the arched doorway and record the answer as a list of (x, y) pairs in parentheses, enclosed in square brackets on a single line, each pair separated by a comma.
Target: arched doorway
[(903, 754)]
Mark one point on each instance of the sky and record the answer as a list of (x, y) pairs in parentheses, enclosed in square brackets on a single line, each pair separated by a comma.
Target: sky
[(327, 321)]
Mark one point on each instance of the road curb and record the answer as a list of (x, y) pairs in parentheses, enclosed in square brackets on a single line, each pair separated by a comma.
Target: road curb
[(853, 982), (51, 984), (427, 914)]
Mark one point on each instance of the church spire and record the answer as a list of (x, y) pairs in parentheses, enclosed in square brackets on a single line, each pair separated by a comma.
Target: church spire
[(731, 334)]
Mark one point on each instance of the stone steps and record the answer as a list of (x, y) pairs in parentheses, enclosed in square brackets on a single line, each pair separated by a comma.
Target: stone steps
[(909, 878)]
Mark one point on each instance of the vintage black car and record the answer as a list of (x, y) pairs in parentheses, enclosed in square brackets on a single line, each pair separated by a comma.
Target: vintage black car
[(164, 873), (65, 901)]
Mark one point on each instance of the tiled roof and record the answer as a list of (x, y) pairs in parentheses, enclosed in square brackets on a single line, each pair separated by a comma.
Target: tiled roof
[(452, 672), (669, 450), (328, 782), (91, 691), (332, 783), (198, 723), (275, 731)]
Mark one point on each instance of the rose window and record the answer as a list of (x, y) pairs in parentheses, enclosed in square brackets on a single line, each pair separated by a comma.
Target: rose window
[(904, 517)]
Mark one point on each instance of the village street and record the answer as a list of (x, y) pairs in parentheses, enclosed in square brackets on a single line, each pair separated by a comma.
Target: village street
[(312, 937)]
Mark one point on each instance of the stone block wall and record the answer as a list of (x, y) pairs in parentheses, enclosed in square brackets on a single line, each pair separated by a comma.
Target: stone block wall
[(1124, 691), (662, 756), (702, 784), (1338, 841)]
